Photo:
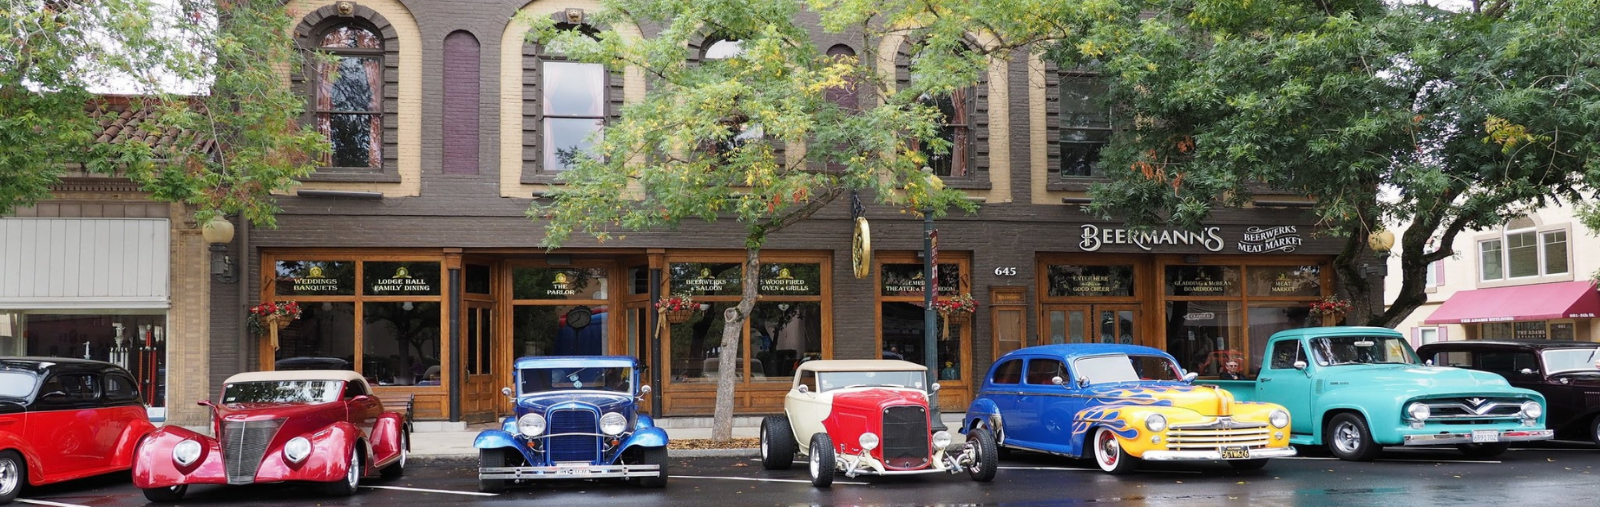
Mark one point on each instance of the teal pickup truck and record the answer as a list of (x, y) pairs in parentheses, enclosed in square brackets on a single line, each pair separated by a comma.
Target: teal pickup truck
[(1357, 389)]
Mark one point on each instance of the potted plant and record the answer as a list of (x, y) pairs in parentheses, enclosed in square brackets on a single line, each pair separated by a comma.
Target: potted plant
[(678, 308), (1331, 309), (271, 316), (957, 309)]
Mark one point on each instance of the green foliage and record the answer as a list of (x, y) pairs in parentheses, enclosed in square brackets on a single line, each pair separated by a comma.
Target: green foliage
[(241, 144)]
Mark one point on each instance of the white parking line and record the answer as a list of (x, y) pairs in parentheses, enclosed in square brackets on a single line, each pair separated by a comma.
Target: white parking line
[(759, 479), (398, 488), (1402, 460), (47, 502), (1071, 469)]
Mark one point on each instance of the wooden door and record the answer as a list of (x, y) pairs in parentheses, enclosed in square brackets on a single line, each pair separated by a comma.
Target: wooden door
[(479, 396), (1091, 324)]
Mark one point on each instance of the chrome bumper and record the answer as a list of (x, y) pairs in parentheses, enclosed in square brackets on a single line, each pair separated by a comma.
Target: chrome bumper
[(1271, 452), (1466, 438), (575, 471)]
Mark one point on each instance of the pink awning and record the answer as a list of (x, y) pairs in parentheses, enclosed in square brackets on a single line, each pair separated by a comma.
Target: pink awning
[(1546, 301)]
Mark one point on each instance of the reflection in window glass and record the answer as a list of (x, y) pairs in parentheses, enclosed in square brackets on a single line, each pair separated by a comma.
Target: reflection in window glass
[(1190, 280), (559, 283), (567, 140), (695, 344), (784, 334), (907, 279), (1555, 252), (1286, 281), (706, 278), (564, 330), (349, 107), (93, 336), (324, 338), (1204, 335), (1523, 253), (574, 89), (903, 334), (401, 344), (1074, 280), (415, 278), (1270, 317), (1489, 260), (284, 391)]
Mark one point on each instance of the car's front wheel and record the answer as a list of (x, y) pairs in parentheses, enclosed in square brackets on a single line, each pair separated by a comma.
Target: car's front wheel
[(822, 460), (1484, 450), (1349, 439), (985, 458), (654, 456), (167, 494), (1109, 454), (346, 485), (1594, 430), (491, 458), (777, 443), (398, 468), (13, 473)]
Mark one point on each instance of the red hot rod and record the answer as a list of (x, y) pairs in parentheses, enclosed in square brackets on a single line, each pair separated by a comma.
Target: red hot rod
[(321, 426)]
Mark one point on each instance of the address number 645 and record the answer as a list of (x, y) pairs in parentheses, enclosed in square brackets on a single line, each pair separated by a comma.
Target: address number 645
[(1005, 271)]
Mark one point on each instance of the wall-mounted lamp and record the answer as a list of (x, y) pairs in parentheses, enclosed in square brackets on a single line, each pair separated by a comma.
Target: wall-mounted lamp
[(219, 233), (1381, 241)]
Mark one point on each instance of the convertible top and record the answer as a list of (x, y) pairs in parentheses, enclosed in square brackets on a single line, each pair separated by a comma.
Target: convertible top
[(275, 376), (861, 365)]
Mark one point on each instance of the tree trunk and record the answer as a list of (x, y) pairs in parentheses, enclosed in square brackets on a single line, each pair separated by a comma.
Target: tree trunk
[(728, 355)]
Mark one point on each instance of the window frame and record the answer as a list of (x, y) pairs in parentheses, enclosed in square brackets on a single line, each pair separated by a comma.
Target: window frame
[(1542, 246), (1057, 93), (976, 172), (545, 57), (381, 55)]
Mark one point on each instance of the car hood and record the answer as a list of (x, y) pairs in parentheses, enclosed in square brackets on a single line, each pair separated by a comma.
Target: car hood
[(873, 399), (1432, 380), (606, 402), (265, 411), (1205, 400)]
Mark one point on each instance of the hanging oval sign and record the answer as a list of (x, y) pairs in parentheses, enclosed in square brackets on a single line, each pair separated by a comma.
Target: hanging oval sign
[(861, 249)]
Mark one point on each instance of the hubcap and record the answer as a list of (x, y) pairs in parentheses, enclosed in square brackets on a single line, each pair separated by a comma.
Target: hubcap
[(763, 442), (404, 451), (1108, 448), (354, 475), (816, 463), (8, 477), (1346, 437)]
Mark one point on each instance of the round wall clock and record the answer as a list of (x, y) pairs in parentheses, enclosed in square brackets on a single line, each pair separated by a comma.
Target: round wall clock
[(861, 249)]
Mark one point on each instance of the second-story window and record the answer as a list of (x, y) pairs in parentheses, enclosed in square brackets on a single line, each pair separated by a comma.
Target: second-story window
[(574, 97), (957, 127), (1085, 124), (1523, 253), (349, 107), (738, 124)]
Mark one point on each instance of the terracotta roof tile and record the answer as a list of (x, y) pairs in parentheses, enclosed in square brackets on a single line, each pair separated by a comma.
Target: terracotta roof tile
[(122, 119)]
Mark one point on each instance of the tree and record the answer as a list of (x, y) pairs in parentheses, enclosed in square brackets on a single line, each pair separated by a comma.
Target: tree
[(1472, 117), (688, 150), (239, 140)]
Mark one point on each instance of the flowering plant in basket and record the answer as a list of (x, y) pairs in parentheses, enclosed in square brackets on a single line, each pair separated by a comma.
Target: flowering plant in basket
[(678, 303), (1330, 305), (961, 303), (261, 314)]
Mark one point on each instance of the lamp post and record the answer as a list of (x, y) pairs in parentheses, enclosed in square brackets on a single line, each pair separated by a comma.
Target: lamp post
[(218, 232), (930, 324)]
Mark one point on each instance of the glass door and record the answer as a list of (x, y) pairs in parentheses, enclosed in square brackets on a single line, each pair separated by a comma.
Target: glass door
[(1109, 323), (478, 394)]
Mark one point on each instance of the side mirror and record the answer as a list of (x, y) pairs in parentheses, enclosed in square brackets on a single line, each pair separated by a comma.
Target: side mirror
[(1300, 365), (361, 398), (506, 391), (204, 403), (644, 389), (1189, 377), (1428, 362), (935, 387), (803, 389), (1057, 380), (1526, 371), (1083, 382)]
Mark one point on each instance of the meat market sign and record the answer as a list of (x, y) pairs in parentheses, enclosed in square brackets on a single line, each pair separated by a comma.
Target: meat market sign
[(1283, 238)]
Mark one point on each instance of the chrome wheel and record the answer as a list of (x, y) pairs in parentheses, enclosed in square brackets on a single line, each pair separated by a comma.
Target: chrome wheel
[(10, 478), (1107, 450), (1347, 437), (816, 463), (352, 477)]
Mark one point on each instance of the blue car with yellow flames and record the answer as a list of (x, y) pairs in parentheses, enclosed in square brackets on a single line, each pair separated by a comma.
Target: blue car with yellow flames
[(576, 418), (1120, 404)]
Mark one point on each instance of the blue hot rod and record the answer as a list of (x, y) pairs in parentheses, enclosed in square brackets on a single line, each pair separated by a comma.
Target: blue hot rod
[(576, 418)]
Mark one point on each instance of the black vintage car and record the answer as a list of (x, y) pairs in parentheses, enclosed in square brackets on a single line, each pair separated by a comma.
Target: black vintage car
[(1563, 371)]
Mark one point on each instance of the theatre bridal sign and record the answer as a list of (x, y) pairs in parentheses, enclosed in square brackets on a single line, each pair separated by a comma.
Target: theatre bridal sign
[(1283, 238)]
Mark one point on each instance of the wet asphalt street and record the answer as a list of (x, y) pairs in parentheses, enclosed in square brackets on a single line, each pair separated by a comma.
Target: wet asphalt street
[(1550, 474)]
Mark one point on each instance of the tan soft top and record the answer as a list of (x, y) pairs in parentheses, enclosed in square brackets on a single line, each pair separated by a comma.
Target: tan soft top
[(861, 365), (275, 376)]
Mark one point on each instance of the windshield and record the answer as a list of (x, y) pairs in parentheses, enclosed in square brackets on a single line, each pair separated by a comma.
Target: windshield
[(830, 380), (538, 380), (1576, 360), (283, 391), (1123, 368), (1337, 350), (15, 384)]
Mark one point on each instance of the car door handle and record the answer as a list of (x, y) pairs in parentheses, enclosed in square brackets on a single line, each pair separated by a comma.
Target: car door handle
[(1264, 380)]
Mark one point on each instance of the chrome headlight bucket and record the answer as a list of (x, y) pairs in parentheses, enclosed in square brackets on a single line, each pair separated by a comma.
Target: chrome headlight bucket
[(186, 452), (296, 449), (530, 425), (613, 423), (1278, 418), (1418, 411), (941, 440), (1155, 422), (869, 441), (1531, 410)]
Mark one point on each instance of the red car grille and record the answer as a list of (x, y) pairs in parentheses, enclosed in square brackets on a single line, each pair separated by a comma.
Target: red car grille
[(905, 437), (244, 443)]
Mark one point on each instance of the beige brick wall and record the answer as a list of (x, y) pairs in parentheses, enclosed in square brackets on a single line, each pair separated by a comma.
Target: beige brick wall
[(188, 322)]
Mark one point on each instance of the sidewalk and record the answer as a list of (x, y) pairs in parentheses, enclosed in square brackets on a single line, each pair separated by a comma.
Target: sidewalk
[(442, 439)]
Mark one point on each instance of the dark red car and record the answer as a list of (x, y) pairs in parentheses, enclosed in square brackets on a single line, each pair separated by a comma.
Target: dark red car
[(63, 419), (322, 426)]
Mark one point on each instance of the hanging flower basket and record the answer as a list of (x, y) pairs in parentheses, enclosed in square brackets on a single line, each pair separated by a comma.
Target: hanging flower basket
[(678, 308), (958, 317), (956, 311), (679, 316), (1331, 309), (270, 317)]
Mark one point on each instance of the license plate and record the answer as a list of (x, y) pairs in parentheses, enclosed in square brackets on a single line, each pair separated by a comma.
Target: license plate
[(1483, 436), (1234, 452), (572, 468)]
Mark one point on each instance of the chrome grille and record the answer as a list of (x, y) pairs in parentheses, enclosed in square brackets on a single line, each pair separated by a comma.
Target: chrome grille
[(564, 446), (1474, 408), (1225, 432), (905, 437), (244, 443)]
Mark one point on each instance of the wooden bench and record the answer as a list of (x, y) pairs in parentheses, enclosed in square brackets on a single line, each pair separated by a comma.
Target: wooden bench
[(402, 403)]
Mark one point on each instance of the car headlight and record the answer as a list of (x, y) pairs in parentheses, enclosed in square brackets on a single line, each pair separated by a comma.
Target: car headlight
[(1278, 418), (941, 440), (1531, 410), (1156, 422), (296, 449), (613, 423), (1418, 411), (530, 425), (186, 452), (869, 441)]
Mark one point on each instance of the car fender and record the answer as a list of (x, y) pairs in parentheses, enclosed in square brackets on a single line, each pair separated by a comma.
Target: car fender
[(643, 421), (648, 437), (500, 439), (1331, 404), (153, 466), (13, 442), (328, 461), (982, 412), (128, 442), (385, 439)]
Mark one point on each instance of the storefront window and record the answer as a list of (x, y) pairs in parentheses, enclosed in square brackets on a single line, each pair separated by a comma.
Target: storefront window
[(706, 278), (791, 279), (323, 338), (903, 338), (695, 344), (1285, 281), (784, 335), (1268, 317), (400, 279), (559, 330), (558, 283), (136, 342), (1204, 335), (315, 278), (401, 346), (1189, 280), (1090, 281)]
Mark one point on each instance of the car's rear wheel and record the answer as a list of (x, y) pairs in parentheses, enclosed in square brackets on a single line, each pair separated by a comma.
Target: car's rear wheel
[(398, 468), (1109, 454), (985, 457), (1247, 464), (346, 485), (822, 460), (1594, 430), (13, 473), (167, 494), (654, 456), (491, 458), (777, 443), (1349, 439), (1484, 450)]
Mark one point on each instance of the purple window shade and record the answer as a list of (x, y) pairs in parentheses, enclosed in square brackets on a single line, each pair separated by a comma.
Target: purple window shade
[(461, 71)]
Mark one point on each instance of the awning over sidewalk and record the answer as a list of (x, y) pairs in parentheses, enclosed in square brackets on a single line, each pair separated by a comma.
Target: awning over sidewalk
[(1564, 300)]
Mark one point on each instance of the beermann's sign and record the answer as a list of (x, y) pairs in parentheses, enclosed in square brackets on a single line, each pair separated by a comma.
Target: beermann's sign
[(1094, 237)]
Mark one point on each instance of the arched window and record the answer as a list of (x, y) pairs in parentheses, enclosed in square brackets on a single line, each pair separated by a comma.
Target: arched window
[(746, 130), (567, 106), (846, 97), (349, 96), (957, 128)]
